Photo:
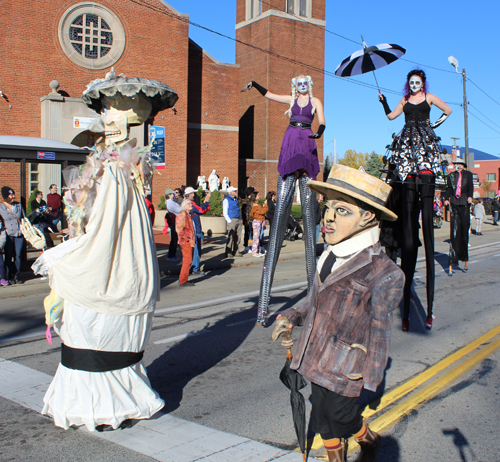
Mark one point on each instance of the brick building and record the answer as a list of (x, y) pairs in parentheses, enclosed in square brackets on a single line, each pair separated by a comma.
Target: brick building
[(50, 54)]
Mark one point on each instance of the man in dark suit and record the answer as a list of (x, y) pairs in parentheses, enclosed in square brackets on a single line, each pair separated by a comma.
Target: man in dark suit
[(458, 195), (347, 315)]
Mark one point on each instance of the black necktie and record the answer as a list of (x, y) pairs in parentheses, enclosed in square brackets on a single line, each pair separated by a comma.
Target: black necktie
[(327, 267)]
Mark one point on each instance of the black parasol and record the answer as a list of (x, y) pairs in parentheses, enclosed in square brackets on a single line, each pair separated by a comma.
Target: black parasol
[(294, 382), (369, 59)]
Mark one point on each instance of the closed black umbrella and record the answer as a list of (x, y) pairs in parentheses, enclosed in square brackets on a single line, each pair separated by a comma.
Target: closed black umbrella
[(294, 382), (369, 59)]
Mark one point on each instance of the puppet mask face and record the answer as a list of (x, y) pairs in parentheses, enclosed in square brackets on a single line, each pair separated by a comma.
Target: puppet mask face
[(344, 220), (119, 112), (302, 86), (415, 83)]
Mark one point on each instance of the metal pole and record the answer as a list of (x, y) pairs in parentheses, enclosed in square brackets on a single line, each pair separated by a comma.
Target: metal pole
[(466, 129)]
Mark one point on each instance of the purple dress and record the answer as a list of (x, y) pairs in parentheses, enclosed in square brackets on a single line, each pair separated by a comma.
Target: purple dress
[(298, 151)]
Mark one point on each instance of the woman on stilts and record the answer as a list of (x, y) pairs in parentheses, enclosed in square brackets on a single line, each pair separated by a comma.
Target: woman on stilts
[(416, 159), (298, 161)]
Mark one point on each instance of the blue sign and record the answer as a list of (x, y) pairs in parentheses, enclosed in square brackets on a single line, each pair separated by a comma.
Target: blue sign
[(46, 155), (158, 149)]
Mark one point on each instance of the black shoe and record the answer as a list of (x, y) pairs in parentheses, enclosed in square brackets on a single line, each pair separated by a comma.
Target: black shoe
[(12, 281), (18, 281), (187, 284)]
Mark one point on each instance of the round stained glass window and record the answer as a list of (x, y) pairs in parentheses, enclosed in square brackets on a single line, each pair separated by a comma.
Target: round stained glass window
[(91, 36)]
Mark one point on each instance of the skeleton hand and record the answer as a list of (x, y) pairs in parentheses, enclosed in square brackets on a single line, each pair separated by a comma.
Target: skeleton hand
[(33, 235), (284, 328), (248, 87)]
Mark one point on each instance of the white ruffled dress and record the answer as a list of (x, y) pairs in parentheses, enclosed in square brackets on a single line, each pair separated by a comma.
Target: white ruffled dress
[(109, 281)]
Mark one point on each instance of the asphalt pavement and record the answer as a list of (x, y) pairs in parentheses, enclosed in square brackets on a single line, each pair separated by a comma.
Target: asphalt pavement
[(217, 371)]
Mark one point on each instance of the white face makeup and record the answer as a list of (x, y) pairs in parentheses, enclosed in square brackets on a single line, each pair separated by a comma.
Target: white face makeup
[(415, 83), (303, 86)]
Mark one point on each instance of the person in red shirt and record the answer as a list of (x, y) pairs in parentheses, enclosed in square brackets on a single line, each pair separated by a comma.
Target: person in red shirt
[(54, 202)]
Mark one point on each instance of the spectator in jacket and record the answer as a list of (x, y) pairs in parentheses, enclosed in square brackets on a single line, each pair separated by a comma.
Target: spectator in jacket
[(235, 231), (246, 208), (495, 208), (258, 214), (54, 202), (479, 215), (185, 231), (12, 213), (198, 209), (173, 209), (3, 241), (347, 315), (271, 205)]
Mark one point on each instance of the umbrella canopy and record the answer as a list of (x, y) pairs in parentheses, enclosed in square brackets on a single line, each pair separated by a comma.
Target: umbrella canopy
[(369, 59), (295, 382)]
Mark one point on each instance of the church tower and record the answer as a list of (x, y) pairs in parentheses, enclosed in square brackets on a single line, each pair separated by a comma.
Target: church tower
[(280, 39)]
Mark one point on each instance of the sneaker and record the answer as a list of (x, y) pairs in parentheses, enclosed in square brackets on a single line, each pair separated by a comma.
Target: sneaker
[(4, 282), (199, 273), (406, 326), (187, 284), (428, 322), (257, 255), (18, 281), (261, 322)]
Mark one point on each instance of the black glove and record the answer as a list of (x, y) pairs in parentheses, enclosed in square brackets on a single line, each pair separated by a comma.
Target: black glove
[(321, 129), (259, 88), (383, 100)]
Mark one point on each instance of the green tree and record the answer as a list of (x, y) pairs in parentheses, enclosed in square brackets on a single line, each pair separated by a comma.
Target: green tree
[(215, 204), (327, 166), (354, 159), (31, 199), (374, 164)]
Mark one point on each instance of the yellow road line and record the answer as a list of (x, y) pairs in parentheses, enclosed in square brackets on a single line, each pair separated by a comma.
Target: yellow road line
[(418, 380), (426, 375), (392, 416)]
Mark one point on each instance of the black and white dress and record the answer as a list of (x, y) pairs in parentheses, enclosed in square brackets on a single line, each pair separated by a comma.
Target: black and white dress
[(416, 149)]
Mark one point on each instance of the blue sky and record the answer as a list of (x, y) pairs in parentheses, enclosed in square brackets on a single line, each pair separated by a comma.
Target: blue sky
[(429, 30)]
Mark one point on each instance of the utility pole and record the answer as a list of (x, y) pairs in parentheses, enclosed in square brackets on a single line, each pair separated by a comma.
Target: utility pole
[(466, 125)]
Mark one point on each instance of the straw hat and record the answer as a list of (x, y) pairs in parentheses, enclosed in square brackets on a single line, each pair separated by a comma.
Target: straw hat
[(358, 185)]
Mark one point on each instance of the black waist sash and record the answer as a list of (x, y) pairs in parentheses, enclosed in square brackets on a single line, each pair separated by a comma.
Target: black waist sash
[(97, 361), (302, 125)]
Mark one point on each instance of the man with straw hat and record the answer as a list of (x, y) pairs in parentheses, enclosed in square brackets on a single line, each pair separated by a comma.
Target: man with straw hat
[(347, 315)]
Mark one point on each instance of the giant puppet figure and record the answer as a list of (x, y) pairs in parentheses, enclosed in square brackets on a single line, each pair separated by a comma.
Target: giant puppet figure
[(298, 161), (104, 280), (347, 315), (415, 159)]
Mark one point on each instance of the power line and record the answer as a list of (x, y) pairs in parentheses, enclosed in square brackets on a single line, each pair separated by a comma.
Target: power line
[(263, 50), (470, 104), (468, 78), (476, 117)]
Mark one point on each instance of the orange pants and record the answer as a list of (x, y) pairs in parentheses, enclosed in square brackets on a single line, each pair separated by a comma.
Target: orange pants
[(187, 259)]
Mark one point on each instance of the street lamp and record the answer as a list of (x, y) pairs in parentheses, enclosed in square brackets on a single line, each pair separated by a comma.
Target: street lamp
[(454, 62)]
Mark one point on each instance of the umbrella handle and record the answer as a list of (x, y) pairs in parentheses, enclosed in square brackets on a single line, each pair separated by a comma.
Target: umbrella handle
[(378, 88)]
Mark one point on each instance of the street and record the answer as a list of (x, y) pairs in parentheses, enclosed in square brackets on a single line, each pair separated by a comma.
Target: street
[(215, 368)]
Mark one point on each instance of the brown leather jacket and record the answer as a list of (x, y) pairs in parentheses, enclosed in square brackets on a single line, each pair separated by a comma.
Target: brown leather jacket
[(344, 344)]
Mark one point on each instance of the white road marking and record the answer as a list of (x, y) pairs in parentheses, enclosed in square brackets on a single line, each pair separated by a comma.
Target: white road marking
[(215, 301), (20, 337)]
